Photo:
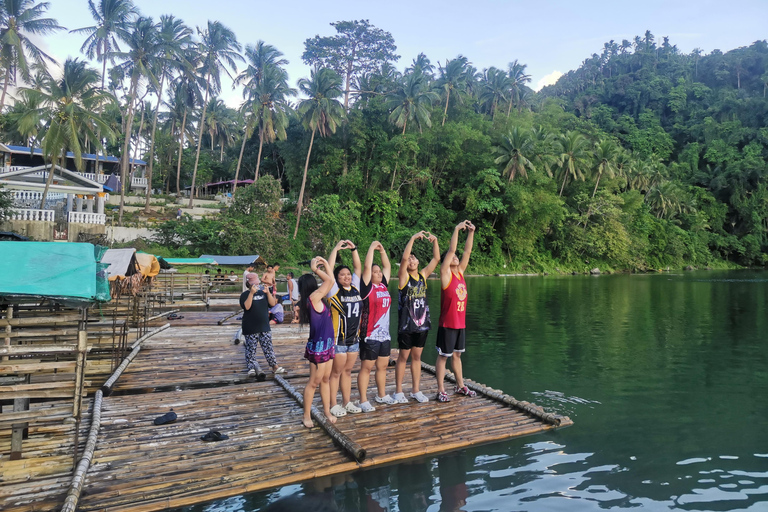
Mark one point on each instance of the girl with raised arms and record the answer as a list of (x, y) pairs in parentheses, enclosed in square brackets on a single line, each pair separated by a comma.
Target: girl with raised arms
[(374, 327), (413, 315), (320, 345)]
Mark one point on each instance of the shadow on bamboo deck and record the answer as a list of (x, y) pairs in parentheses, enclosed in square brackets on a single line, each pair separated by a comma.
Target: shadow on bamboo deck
[(196, 371)]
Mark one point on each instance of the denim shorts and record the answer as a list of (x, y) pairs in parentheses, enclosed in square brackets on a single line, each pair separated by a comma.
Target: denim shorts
[(343, 349)]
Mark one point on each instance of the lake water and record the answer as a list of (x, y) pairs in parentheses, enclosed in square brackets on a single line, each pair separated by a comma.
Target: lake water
[(664, 375)]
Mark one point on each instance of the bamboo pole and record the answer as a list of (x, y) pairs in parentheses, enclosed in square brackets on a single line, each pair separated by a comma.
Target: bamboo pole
[(70, 503), (221, 322), (162, 314), (351, 447), (8, 316), (533, 410)]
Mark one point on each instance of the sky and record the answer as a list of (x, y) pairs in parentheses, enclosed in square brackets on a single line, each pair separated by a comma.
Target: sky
[(550, 36)]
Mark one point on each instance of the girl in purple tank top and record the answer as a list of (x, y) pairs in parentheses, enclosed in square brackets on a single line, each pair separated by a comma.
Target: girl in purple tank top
[(320, 345)]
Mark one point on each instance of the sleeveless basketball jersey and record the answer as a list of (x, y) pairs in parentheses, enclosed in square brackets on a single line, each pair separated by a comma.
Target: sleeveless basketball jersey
[(374, 323), (453, 303), (412, 307), (346, 308)]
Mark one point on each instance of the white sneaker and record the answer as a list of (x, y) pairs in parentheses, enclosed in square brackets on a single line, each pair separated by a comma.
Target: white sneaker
[(367, 407), (338, 411), (419, 397), (352, 408), (400, 398), (386, 399), (251, 372)]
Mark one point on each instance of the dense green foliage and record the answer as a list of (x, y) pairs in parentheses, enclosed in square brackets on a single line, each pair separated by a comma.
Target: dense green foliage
[(642, 158)]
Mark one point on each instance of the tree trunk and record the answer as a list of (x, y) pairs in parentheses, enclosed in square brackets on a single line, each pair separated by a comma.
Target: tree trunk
[(199, 144), (124, 157), (48, 182), (509, 108), (5, 86), (138, 140), (565, 172), (258, 159), (303, 183), (445, 111), (405, 123), (181, 148), (152, 143), (596, 184), (240, 160), (221, 152)]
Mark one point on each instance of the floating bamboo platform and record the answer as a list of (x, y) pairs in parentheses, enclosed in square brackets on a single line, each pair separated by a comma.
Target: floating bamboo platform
[(194, 368)]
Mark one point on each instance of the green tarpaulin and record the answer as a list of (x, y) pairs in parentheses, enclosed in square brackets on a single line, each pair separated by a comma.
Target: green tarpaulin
[(190, 261), (63, 271)]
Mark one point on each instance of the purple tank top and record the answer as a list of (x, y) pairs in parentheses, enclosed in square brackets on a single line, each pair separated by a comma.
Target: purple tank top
[(320, 331)]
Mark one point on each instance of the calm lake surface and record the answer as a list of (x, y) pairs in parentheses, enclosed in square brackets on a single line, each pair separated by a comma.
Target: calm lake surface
[(664, 375)]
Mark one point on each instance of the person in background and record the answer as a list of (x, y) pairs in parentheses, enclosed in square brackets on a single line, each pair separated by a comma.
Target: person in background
[(247, 271), (276, 314), (232, 277), (451, 338), (293, 295), (319, 350), (256, 302), (219, 276), (270, 276)]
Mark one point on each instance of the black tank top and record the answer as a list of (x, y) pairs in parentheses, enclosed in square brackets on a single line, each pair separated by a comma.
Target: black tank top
[(412, 307)]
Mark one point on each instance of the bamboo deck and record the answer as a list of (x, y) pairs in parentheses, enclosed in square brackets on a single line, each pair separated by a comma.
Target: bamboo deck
[(194, 368)]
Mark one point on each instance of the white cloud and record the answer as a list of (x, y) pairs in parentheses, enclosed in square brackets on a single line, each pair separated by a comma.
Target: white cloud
[(549, 79)]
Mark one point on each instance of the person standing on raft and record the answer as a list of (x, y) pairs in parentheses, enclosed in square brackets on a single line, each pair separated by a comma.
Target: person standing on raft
[(374, 328), (346, 307), (413, 315), (319, 350), (256, 302), (451, 338)]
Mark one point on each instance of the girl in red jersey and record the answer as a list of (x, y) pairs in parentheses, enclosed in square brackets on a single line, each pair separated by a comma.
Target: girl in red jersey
[(451, 338), (374, 327)]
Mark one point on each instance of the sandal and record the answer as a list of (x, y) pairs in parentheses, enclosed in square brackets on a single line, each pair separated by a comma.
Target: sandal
[(213, 436), (338, 411), (168, 417), (280, 369), (464, 391), (442, 397)]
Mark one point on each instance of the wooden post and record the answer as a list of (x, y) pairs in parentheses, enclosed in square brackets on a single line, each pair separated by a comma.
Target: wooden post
[(18, 429), (8, 316)]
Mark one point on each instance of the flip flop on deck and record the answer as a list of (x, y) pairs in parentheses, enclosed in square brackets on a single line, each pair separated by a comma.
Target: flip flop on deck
[(213, 436), (174, 316), (166, 418)]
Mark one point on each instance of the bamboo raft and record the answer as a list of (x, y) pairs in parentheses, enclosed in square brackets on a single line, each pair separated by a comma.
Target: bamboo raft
[(195, 370)]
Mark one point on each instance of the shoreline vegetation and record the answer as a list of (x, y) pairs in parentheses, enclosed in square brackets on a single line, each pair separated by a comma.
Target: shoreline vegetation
[(642, 158)]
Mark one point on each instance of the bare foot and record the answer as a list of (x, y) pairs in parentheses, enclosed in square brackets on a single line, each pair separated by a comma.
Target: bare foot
[(307, 423), (331, 417)]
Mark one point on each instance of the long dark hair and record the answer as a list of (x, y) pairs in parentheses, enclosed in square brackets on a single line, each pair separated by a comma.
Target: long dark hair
[(307, 285)]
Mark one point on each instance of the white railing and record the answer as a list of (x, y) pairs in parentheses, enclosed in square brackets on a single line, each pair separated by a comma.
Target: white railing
[(98, 178), (139, 182), (30, 214), (11, 168), (28, 195), (87, 218)]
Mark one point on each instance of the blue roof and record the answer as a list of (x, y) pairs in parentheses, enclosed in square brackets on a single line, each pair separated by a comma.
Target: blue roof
[(86, 156)]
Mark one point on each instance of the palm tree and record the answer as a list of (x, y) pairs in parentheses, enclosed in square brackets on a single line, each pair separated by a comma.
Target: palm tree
[(186, 95), (69, 104), (174, 38), (143, 48), (493, 90), (321, 112), (20, 19), (517, 79), (606, 153), (573, 156), (410, 101), (452, 76), (258, 57), (218, 50), (271, 107), (515, 152)]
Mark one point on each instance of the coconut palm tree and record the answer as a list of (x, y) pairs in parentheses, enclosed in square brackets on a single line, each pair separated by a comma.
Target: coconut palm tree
[(573, 156), (517, 80), (218, 49), (515, 153), (270, 107), (70, 105), (321, 112), (258, 57), (20, 19), (184, 98), (174, 37), (139, 61), (494, 89), (452, 77), (411, 101), (606, 153)]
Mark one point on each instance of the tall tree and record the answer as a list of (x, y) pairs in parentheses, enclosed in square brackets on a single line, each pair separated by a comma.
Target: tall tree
[(494, 89), (574, 157), (452, 77), (517, 80), (357, 47), (20, 19), (70, 105), (606, 153), (411, 101), (270, 107), (139, 62), (174, 37), (321, 112), (218, 50), (515, 153)]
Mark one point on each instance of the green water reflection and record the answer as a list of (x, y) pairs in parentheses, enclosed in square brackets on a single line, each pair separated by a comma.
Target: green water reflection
[(665, 376)]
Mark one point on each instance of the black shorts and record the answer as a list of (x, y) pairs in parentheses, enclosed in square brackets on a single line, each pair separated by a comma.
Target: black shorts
[(371, 350), (450, 341), (409, 340)]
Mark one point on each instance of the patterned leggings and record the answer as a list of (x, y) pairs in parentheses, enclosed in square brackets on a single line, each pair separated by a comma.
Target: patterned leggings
[(265, 340)]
